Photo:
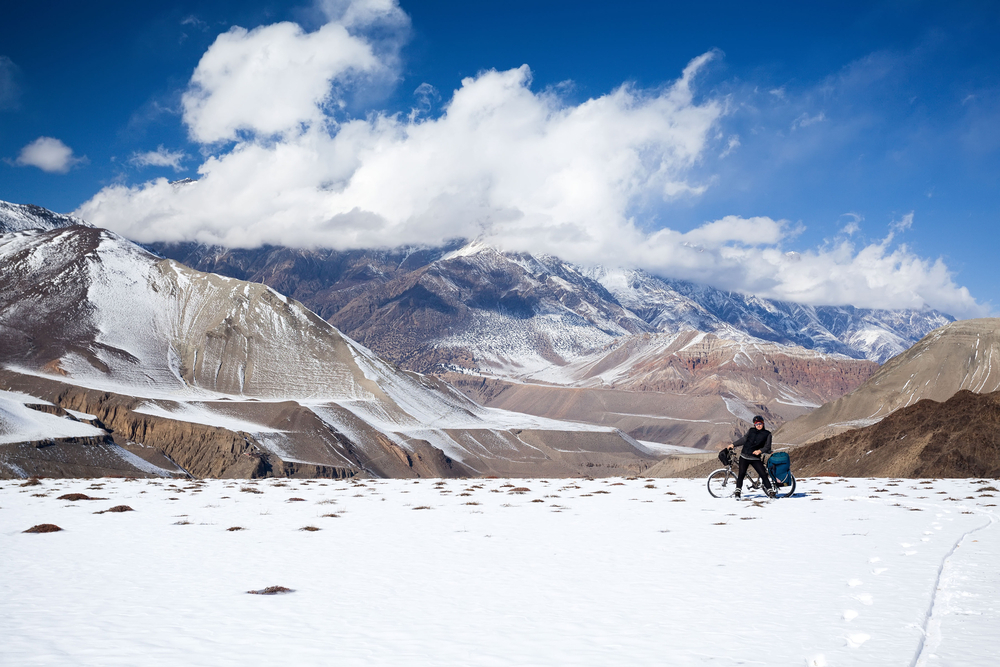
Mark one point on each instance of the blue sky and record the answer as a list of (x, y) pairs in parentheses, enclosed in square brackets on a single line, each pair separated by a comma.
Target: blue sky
[(859, 139)]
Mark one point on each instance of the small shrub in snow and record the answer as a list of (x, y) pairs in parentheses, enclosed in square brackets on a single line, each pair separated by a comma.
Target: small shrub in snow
[(271, 590), (235, 528), (73, 497), (296, 500), (311, 529), (32, 481), (121, 508), (422, 507), (520, 489), (250, 489), (44, 528)]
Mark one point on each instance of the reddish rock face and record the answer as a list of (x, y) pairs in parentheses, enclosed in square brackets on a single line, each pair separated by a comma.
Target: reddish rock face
[(960, 355)]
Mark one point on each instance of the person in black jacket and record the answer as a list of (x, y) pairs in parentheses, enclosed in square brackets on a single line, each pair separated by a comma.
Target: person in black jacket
[(757, 441)]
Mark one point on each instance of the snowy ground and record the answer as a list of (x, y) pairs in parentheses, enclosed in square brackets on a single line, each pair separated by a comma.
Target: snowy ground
[(468, 572)]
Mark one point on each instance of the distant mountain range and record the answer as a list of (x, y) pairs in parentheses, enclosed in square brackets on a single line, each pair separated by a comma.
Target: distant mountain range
[(665, 361), (538, 334), (227, 378), (522, 309)]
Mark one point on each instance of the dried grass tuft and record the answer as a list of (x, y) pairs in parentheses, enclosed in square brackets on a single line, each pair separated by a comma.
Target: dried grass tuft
[(520, 489), (120, 508), (44, 528), (73, 497), (422, 507), (271, 590), (311, 529), (234, 528), (296, 500), (32, 481)]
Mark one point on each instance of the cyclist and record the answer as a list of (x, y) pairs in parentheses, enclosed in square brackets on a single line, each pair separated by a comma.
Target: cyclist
[(757, 441)]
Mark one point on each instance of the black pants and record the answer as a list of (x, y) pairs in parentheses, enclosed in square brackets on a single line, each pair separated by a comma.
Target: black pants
[(758, 465)]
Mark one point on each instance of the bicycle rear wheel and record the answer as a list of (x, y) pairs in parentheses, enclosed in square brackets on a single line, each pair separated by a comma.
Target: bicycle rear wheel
[(785, 490), (722, 483)]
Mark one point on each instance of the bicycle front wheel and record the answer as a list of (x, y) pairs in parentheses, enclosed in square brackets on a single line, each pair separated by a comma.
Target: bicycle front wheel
[(722, 483)]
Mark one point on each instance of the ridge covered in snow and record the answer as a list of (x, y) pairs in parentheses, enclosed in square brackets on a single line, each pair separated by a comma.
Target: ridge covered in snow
[(85, 307), (19, 217)]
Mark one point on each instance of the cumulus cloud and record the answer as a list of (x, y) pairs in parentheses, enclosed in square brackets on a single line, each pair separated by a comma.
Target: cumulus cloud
[(270, 80), (161, 157), (10, 91), (746, 255), (525, 170), (501, 161), (48, 154)]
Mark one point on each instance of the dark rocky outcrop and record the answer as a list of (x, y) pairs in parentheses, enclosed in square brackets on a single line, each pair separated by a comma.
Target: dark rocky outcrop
[(959, 437)]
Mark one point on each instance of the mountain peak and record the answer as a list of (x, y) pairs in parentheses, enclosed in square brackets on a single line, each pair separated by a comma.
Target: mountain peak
[(21, 217)]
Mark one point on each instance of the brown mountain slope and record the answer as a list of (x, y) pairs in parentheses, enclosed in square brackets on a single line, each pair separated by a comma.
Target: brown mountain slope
[(957, 356), (957, 438), (690, 389)]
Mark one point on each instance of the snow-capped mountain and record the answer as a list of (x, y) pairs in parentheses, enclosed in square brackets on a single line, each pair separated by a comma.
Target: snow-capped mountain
[(514, 330), (510, 328), (210, 369), (676, 305), (517, 310), (19, 217)]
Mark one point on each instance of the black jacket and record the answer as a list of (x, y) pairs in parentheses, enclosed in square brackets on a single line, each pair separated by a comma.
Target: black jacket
[(753, 441)]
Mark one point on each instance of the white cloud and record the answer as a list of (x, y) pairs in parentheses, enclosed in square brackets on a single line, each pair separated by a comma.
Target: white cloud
[(805, 120), (48, 154), (522, 169), (501, 161), (731, 145), (10, 91), (161, 157), (903, 224), (271, 80)]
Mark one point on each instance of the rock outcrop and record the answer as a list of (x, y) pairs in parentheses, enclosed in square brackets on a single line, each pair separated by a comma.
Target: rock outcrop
[(959, 437), (957, 356)]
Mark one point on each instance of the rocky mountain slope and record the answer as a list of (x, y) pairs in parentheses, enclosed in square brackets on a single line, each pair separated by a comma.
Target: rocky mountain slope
[(539, 335), (959, 437), (958, 356), (230, 378), (514, 308), (690, 389)]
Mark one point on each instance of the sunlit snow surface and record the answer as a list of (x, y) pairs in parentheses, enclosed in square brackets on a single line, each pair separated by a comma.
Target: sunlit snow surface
[(629, 572)]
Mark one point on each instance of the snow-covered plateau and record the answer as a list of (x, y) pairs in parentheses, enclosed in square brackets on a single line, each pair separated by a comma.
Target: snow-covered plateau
[(496, 572)]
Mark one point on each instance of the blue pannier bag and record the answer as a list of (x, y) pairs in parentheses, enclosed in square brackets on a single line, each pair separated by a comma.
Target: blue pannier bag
[(780, 466)]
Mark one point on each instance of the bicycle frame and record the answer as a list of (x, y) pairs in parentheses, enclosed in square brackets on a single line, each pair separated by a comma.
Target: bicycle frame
[(722, 482)]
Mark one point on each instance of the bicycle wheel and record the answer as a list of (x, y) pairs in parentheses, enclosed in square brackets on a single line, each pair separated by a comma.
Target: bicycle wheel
[(786, 490), (722, 483)]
